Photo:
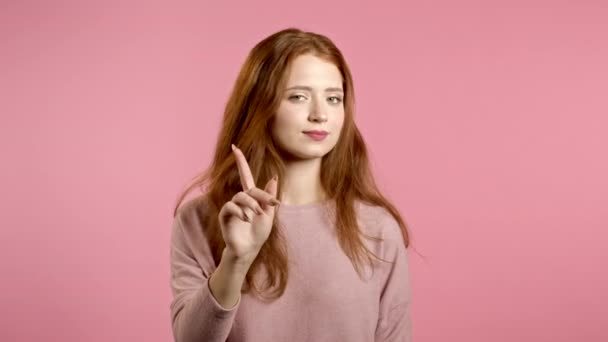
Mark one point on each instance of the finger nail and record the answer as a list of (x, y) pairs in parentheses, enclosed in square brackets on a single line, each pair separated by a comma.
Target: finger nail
[(275, 178), (274, 201), (233, 147)]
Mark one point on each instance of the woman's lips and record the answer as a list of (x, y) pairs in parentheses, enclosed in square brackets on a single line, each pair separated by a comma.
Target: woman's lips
[(316, 135)]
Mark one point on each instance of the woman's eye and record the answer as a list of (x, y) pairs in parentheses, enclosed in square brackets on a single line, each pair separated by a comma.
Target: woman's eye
[(335, 99), (332, 99), (296, 97)]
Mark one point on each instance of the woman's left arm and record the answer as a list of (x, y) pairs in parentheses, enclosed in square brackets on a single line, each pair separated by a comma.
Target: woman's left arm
[(394, 323)]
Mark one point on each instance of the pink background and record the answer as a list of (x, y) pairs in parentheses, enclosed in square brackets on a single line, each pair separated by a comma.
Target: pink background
[(487, 125)]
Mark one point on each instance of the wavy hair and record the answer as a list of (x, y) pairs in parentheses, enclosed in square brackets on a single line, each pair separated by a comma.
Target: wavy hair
[(345, 170)]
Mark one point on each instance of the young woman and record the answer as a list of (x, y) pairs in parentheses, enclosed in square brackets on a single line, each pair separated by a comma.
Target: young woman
[(291, 239)]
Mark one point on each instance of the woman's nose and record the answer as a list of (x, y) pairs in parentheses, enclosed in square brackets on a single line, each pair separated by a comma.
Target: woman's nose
[(317, 112)]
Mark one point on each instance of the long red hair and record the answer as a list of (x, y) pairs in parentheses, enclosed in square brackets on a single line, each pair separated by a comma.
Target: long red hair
[(345, 171)]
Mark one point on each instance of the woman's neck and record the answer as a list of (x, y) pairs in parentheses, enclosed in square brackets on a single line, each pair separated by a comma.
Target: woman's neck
[(302, 183)]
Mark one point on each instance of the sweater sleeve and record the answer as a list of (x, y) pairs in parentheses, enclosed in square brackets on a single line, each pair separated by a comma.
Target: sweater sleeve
[(195, 313), (395, 322)]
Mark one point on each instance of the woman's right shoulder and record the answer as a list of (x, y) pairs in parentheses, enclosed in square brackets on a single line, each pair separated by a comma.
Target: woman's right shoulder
[(193, 213), (191, 232)]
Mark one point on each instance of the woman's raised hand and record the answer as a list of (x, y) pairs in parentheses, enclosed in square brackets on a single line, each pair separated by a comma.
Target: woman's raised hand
[(246, 220)]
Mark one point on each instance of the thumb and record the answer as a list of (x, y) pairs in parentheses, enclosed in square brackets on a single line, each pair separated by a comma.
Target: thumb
[(272, 186)]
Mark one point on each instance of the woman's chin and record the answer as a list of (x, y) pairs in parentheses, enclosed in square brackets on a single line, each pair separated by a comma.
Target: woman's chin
[(305, 153)]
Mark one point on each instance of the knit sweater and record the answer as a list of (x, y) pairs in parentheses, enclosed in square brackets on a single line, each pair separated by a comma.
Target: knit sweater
[(325, 299)]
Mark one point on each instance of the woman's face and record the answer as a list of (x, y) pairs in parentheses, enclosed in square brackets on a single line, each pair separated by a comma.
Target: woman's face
[(311, 101)]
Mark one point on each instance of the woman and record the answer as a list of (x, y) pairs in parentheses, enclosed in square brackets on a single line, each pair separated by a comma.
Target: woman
[(317, 253)]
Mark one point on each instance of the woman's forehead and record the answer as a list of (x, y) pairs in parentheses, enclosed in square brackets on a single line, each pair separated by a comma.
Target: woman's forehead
[(308, 71)]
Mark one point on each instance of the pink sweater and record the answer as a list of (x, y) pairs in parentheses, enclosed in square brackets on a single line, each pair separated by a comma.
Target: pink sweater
[(325, 300)]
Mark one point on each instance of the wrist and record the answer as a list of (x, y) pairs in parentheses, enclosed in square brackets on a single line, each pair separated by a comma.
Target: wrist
[(234, 262)]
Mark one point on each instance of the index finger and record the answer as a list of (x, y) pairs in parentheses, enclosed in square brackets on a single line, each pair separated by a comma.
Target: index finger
[(244, 170)]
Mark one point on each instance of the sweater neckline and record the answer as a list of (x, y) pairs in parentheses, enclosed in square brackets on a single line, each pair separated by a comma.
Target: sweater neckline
[(303, 207)]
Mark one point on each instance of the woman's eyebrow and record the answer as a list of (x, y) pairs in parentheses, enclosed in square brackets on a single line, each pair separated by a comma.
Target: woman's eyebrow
[(300, 87)]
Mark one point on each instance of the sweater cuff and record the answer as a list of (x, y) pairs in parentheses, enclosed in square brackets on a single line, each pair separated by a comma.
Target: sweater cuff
[(218, 310)]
